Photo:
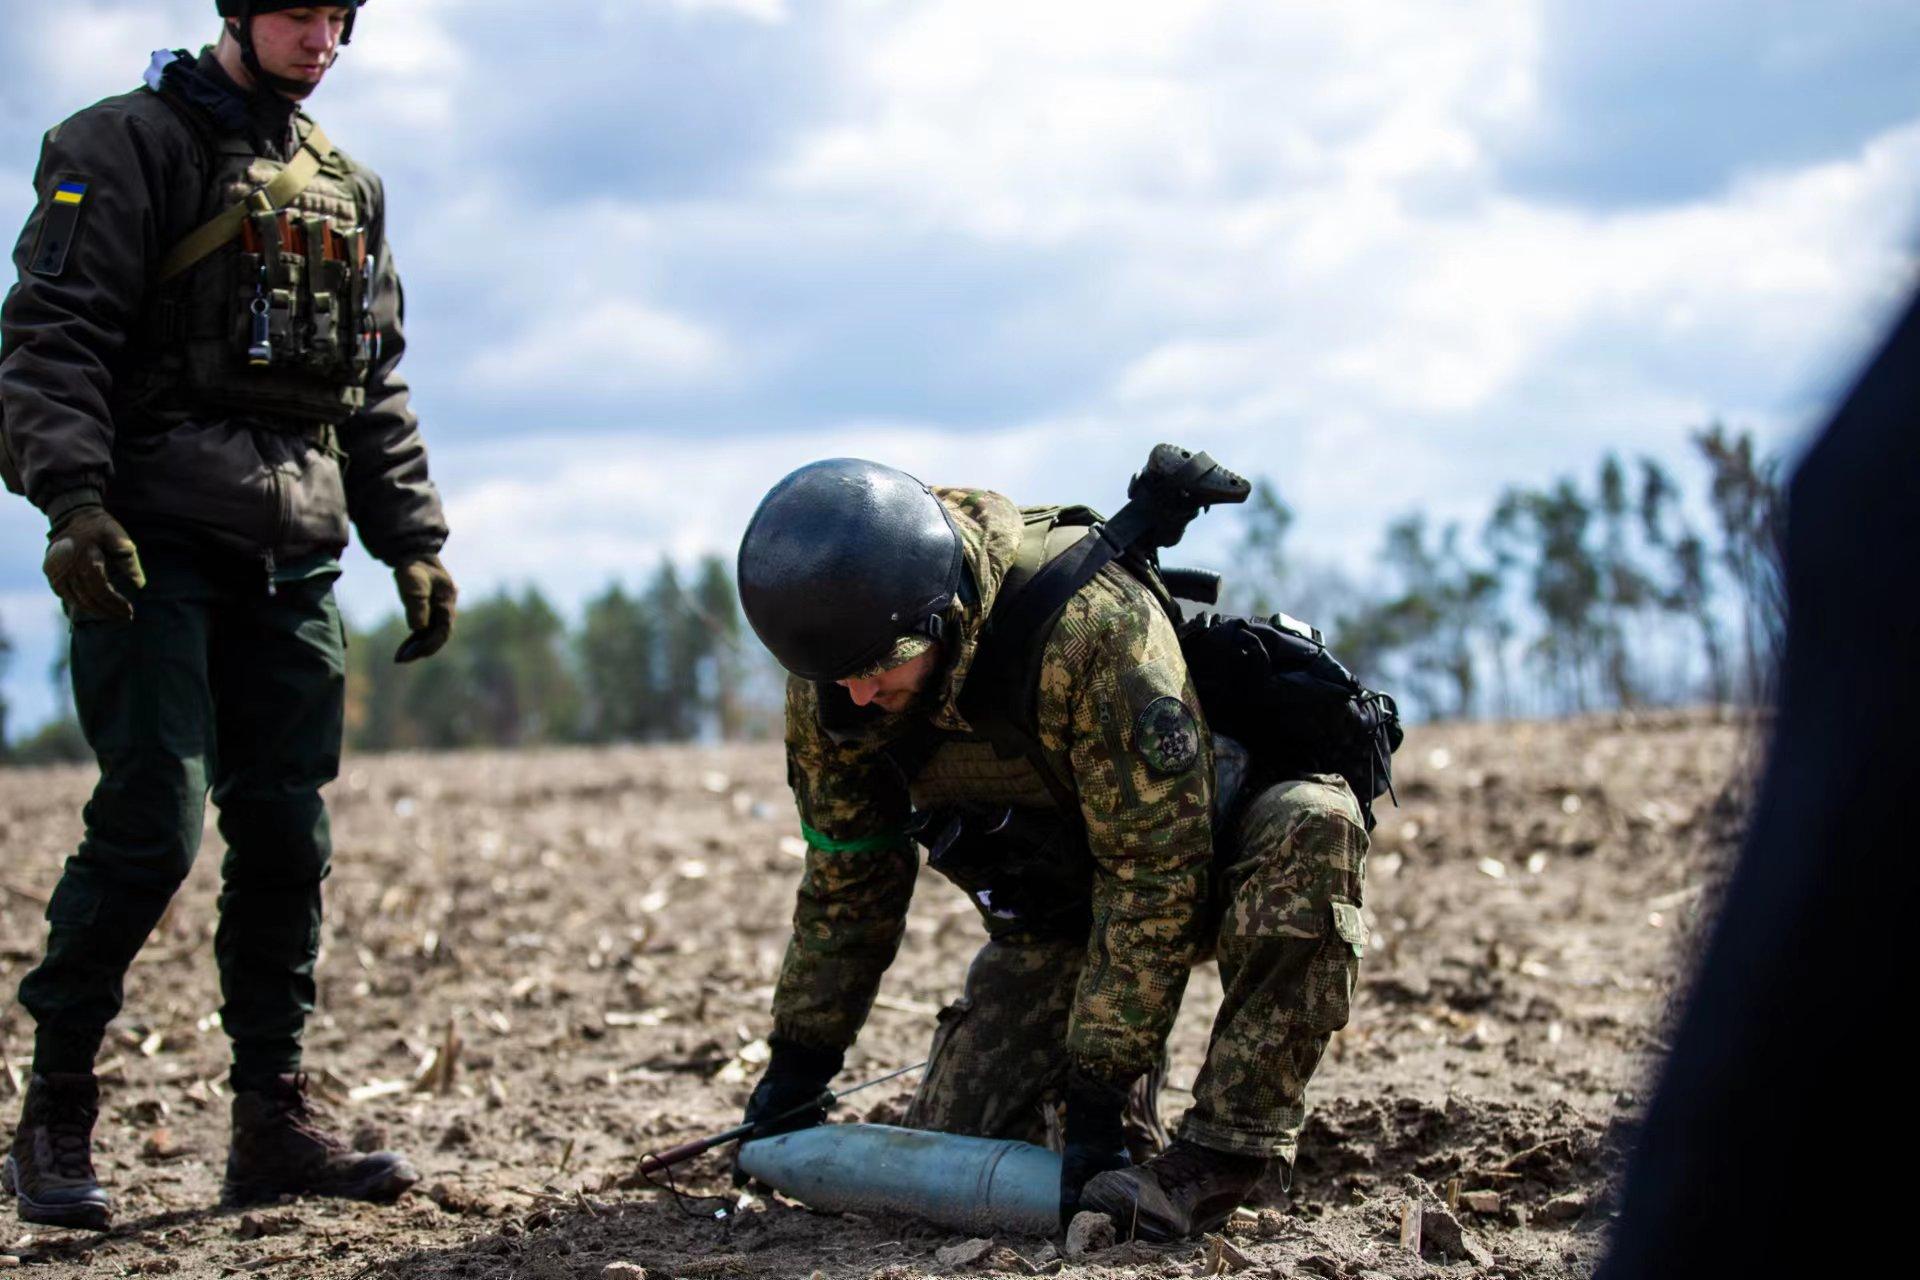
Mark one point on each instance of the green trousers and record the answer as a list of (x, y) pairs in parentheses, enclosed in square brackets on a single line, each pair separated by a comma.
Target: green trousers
[(1288, 936), (218, 682)]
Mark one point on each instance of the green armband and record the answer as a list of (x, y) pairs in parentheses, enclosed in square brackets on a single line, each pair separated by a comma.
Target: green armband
[(865, 844)]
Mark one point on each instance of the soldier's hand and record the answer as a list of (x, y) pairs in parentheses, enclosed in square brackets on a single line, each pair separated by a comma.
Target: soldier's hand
[(86, 552), (429, 597), (796, 1075), (1095, 1137)]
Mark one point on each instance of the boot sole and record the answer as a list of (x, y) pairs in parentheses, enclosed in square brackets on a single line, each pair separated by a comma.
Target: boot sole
[(1140, 1222), (82, 1217), (1130, 1219), (381, 1187)]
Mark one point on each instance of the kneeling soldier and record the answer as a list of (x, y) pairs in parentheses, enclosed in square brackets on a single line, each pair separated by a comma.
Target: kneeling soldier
[(1126, 846)]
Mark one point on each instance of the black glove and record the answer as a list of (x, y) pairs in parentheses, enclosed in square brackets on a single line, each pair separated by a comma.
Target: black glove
[(87, 553), (796, 1074), (1095, 1137)]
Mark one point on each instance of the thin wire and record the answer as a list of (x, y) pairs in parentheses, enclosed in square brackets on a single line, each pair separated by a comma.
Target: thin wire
[(891, 1075), (681, 1199)]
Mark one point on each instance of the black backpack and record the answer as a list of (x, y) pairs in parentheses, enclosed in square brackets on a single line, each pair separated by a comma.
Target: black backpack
[(1286, 699)]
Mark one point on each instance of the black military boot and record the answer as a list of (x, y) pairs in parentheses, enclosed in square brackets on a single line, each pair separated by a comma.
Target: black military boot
[(1183, 1191), (50, 1168), (280, 1149)]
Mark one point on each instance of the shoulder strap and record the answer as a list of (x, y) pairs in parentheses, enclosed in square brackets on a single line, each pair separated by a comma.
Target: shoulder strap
[(999, 699), (225, 225)]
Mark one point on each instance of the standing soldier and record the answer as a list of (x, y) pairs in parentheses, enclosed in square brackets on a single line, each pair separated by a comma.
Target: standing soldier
[(1102, 855), (199, 388)]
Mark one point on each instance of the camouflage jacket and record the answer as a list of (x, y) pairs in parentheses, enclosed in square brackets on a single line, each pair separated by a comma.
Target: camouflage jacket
[(1112, 684)]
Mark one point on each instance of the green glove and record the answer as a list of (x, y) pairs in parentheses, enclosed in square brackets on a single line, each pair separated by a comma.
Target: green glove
[(427, 594), (87, 550)]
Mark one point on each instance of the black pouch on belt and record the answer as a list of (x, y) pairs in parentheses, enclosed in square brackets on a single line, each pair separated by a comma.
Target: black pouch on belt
[(1026, 870)]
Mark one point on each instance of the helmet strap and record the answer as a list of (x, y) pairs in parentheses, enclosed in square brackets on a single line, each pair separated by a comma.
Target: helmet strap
[(241, 28)]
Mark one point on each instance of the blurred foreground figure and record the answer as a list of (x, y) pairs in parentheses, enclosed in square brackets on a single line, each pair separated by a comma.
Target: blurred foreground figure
[(204, 336), (1779, 1074), (999, 685)]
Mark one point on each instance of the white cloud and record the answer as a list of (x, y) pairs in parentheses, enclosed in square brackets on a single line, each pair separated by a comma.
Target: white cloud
[(769, 11), (1011, 119), (1444, 316), (1297, 206), (407, 72), (86, 49), (607, 348)]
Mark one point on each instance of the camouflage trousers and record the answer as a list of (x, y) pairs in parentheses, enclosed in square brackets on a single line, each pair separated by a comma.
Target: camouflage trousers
[(1288, 937)]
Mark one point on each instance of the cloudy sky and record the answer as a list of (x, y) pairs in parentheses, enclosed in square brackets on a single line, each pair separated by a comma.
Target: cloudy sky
[(1392, 254)]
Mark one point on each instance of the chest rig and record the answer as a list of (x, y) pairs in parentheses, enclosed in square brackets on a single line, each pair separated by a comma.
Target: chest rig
[(276, 323), (993, 814)]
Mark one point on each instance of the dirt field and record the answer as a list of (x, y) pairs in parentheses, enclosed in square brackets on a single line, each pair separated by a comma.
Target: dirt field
[(539, 966)]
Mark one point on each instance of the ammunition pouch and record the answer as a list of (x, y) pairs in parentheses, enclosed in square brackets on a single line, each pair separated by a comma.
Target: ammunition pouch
[(276, 322), (1027, 870)]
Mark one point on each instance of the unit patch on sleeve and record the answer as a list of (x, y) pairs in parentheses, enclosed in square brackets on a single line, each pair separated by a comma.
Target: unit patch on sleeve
[(59, 224), (1167, 736)]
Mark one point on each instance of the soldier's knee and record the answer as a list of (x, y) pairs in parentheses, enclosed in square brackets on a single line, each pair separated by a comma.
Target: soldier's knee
[(100, 914), (275, 842), (1321, 799), (144, 820), (1300, 846)]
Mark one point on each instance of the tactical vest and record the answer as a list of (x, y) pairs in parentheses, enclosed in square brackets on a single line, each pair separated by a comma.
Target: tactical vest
[(1002, 692), (1000, 758), (993, 815), (969, 773), (275, 324)]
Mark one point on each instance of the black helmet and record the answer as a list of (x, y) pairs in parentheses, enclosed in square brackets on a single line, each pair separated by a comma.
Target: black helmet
[(843, 558), (244, 9)]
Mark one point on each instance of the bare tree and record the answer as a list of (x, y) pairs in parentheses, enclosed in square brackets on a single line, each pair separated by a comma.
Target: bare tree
[(1745, 494)]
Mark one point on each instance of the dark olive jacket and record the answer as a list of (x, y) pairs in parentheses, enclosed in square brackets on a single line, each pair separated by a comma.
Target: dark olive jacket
[(70, 345)]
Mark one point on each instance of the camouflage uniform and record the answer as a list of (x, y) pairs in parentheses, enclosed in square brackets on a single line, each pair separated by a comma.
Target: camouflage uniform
[(1278, 904)]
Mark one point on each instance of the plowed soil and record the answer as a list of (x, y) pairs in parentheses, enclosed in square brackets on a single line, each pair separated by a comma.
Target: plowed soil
[(539, 966)]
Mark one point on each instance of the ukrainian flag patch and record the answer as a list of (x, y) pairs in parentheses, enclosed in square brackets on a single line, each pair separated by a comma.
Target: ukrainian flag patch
[(59, 227)]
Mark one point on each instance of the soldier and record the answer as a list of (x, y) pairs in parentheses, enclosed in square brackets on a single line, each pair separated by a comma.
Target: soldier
[(199, 389), (1105, 863)]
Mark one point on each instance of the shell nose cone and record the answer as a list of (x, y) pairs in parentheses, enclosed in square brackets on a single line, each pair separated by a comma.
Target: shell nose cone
[(979, 1185)]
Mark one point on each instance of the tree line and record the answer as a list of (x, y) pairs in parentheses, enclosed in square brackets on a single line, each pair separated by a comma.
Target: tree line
[(1614, 591), (1608, 593), (665, 661)]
